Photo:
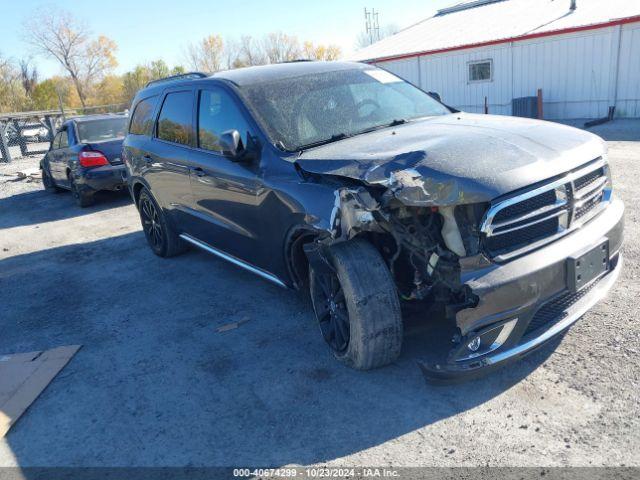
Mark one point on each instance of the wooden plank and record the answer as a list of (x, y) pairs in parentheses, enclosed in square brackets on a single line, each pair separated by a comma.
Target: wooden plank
[(23, 377)]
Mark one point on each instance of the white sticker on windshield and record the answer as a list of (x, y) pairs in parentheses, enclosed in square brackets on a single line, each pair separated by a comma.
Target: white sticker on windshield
[(382, 76)]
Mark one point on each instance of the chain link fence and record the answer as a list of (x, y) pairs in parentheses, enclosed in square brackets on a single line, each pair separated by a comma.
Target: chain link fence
[(31, 133)]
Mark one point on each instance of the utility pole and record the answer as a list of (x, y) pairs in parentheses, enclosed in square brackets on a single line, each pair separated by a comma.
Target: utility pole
[(372, 25)]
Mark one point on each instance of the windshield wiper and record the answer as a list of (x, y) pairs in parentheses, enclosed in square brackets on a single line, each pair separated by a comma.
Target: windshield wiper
[(333, 138), (397, 122), (342, 136)]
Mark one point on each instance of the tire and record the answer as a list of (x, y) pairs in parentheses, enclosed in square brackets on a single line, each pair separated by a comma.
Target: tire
[(363, 289), (161, 237), (82, 199), (48, 182)]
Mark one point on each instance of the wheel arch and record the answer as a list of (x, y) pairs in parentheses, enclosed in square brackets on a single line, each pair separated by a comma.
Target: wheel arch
[(295, 257)]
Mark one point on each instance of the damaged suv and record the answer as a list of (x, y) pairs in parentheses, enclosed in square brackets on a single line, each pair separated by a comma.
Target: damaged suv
[(345, 179)]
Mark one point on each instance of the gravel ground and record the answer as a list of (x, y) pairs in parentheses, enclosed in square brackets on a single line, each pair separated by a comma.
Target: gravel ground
[(156, 384)]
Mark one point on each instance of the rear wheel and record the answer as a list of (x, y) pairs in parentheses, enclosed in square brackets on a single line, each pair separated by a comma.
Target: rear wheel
[(82, 198), (161, 237), (48, 182), (357, 306)]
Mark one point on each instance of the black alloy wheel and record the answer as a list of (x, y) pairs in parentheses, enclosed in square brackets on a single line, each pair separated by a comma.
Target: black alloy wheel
[(151, 224), (331, 312)]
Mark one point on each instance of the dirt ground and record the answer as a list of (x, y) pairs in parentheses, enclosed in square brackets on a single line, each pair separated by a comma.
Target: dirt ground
[(156, 384)]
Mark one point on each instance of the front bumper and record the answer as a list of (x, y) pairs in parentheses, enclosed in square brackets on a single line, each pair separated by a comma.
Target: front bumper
[(532, 290), (109, 177)]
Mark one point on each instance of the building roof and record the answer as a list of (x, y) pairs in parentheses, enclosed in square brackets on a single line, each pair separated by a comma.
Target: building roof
[(474, 23)]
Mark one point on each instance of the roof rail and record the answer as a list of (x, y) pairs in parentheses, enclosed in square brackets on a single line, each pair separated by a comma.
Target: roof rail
[(186, 76), (298, 60)]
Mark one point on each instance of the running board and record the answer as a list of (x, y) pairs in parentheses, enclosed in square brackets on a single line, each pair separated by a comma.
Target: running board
[(231, 259)]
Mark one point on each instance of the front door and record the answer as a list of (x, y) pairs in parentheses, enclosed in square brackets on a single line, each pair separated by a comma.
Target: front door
[(225, 191), (57, 157)]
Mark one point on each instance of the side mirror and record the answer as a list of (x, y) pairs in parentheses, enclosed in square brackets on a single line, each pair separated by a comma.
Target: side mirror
[(435, 95), (231, 144)]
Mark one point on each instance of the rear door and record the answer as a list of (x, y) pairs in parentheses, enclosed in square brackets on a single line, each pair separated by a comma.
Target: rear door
[(168, 159)]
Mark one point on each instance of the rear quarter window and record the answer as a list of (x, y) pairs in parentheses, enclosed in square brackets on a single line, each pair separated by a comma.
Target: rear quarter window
[(142, 119)]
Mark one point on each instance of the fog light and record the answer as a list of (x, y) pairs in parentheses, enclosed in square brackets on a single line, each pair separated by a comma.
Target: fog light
[(474, 344)]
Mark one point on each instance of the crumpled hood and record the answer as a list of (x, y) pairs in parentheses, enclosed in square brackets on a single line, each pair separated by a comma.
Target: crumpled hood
[(456, 159)]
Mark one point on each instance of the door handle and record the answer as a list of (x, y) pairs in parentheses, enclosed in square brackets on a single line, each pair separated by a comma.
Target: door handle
[(199, 172)]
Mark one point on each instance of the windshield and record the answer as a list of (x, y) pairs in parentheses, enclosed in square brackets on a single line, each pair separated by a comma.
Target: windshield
[(100, 130), (313, 109)]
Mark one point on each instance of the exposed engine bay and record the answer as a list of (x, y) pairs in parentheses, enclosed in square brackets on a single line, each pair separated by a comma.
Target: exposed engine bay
[(422, 245)]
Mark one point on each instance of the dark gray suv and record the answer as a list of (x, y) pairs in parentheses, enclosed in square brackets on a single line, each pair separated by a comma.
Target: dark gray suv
[(345, 179)]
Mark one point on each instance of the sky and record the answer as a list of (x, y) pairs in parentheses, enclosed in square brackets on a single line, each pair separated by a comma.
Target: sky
[(160, 29)]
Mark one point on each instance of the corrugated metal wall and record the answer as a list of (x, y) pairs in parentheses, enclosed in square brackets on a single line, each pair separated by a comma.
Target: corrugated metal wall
[(577, 73)]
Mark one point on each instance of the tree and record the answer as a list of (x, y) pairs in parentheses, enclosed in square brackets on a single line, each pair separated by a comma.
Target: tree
[(48, 94), (28, 75), (207, 54), (321, 52), (57, 34), (137, 78), (249, 53), (12, 94), (280, 47), (364, 39)]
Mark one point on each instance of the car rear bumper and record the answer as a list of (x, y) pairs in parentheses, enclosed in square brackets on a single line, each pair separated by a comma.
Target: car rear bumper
[(109, 177), (532, 297)]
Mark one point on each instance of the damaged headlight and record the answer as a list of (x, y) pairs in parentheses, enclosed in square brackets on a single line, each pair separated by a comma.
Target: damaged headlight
[(468, 218), (451, 233)]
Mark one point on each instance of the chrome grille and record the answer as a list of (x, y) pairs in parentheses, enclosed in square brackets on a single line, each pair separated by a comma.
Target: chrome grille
[(531, 219)]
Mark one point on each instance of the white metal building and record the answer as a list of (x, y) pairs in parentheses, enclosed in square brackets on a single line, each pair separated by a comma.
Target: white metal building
[(585, 59)]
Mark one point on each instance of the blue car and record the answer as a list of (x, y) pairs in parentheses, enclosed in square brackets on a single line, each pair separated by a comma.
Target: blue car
[(85, 157)]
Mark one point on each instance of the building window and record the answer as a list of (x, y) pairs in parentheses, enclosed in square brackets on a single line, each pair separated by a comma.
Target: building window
[(480, 71)]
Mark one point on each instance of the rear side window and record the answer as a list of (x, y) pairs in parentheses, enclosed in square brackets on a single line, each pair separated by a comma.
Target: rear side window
[(56, 140), (175, 120), (142, 120), (64, 139), (217, 113)]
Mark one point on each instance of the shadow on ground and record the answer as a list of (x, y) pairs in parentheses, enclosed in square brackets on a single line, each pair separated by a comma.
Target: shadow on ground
[(49, 207), (156, 384)]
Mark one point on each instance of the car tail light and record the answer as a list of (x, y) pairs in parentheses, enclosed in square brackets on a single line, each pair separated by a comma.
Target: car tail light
[(92, 159)]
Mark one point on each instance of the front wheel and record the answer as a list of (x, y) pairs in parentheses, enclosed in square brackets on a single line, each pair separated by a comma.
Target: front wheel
[(357, 306), (48, 182)]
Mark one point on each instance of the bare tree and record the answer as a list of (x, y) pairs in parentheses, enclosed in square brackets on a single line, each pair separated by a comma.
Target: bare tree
[(364, 40), (207, 54), (251, 52), (58, 35), (28, 75), (280, 47)]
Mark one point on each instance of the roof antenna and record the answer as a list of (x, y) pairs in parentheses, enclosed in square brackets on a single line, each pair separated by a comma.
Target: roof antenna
[(573, 5)]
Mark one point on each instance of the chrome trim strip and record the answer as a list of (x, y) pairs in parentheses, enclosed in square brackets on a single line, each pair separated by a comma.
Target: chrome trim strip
[(584, 191), (489, 230), (526, 216), (520, 227), (584, 200), (582, 307), (570, 177), (231, 259), (506, 329)]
